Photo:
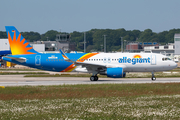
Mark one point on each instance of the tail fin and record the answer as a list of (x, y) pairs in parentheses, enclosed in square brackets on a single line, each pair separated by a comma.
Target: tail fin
[(18, 44)]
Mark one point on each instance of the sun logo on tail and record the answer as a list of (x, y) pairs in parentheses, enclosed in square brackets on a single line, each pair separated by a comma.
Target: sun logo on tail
[(18, 46)]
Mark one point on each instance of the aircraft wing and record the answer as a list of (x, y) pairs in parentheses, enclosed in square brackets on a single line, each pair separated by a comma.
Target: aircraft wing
[(91, 67), (99, 65)]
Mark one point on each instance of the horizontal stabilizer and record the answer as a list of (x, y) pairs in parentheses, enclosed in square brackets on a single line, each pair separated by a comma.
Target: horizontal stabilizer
[(21, 60)]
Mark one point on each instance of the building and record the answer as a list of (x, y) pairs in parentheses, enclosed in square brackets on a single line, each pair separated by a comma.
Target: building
[(64, 42), (177, 44), (133, 47), (167, 50), (4, 50), (4, 47), (138, 46)]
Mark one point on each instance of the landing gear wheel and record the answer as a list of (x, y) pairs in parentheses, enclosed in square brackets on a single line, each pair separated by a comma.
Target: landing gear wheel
[(153, 78), (94, 78)]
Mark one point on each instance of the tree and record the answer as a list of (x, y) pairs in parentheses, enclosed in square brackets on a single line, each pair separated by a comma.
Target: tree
[(3, 34), (51, 35), (31, 36)]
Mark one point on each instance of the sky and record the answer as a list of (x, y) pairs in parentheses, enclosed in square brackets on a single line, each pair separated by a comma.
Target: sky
[(84, 15)]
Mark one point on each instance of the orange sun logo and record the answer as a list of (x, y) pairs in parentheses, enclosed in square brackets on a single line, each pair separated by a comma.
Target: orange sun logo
[(18, 47), (137, 56)]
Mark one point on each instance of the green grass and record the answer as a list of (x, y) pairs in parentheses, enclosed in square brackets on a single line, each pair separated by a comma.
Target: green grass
[(18, 69), (22, 73), (105, 101)]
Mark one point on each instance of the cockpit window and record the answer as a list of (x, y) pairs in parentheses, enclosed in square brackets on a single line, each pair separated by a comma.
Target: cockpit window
[(165, 59)]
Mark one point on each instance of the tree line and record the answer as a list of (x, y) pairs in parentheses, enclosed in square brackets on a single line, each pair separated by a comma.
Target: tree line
[(95, 39)]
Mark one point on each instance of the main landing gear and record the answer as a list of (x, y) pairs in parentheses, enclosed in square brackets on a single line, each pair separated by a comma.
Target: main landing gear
[(94, 78), (153, 77)]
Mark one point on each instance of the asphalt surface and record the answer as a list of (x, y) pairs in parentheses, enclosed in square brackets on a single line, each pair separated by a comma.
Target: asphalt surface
[(20, 80)]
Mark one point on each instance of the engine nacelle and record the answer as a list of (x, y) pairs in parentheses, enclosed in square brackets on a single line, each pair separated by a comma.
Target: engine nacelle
[(115, 72)]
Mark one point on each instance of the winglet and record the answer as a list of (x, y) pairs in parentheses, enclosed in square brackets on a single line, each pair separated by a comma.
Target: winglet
[(64, 55)]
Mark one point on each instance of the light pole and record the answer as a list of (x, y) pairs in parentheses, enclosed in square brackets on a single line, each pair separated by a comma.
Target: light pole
[(125, 41), (122, 44), (101, 47), (104, 43)]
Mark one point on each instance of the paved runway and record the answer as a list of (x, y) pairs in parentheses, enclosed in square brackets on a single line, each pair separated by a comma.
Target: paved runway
[(20, 80)]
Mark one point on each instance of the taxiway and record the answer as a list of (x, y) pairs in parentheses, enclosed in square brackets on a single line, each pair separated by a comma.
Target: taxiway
[(20, 80)]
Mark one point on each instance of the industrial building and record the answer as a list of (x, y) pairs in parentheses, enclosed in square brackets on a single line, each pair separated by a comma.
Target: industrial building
[(138, 46), (177, 44), (4, 50), (167, 50)]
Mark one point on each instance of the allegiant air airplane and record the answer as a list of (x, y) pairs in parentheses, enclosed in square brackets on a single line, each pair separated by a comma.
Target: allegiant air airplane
[(114, 65)]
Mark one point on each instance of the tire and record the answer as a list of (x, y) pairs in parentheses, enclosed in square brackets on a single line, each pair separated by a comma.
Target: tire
[(96, 78), (153, 78), (92, 78)]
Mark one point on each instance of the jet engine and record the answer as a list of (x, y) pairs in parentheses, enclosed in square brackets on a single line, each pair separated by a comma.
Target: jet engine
[(115, 72)]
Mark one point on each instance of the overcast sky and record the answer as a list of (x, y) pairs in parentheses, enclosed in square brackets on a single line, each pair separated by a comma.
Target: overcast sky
[(83, 15)]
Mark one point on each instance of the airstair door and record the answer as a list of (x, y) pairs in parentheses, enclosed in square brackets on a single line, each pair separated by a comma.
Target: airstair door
[(153, 59)]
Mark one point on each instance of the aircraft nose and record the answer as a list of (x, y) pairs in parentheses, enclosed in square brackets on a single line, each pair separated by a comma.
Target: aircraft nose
[(174, 65)]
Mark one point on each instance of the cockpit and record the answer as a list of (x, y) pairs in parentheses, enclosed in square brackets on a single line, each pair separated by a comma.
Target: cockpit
[(166, 59)]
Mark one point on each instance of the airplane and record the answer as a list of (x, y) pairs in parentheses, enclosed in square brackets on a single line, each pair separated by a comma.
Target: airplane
[(113, 65)]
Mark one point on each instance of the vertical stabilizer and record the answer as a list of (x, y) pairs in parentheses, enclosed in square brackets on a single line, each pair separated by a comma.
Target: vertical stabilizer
[(18, 44)]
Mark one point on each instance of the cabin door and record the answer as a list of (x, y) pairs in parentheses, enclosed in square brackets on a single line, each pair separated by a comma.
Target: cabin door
[(153, 59)]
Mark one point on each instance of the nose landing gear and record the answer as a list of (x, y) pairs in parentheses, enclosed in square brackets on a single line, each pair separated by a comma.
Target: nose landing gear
[(153, 77)]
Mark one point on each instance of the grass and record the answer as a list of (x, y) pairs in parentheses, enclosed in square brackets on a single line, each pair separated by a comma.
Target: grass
[(22, 73), (106, 101), (88, 91), (18, 69)]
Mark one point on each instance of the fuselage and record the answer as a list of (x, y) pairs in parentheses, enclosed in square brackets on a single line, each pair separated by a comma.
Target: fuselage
[(130, 62)]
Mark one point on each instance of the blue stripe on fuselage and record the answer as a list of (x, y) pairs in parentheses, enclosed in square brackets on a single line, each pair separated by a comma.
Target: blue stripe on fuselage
[(49, 61)]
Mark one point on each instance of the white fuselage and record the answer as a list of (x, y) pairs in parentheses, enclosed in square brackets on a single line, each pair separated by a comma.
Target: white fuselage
[(131, 62)]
